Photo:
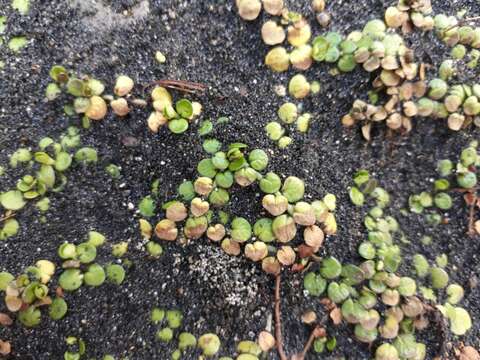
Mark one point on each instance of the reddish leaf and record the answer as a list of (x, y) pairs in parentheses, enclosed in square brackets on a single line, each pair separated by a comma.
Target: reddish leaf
[(5, 347), (5, 320), (336, 316), (305, 251)]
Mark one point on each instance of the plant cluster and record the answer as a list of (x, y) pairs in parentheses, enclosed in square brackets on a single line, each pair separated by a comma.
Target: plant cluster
[(27, 293), (453, 177), (288, 114), (46, 172), (80, 268), (76, 348), (271, 240), (176, 116), (92, 103), (379, 48), (208, 343), (18, 42), (373, 297)]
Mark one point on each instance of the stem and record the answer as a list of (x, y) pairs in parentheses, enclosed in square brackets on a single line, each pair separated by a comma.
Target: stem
[(461, 22), (6, 217), (471, 215), (308, 345), (181, 85), (438, 319), (278, 317)]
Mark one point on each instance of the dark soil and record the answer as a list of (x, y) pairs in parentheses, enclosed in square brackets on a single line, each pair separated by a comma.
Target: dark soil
[(204, 41)]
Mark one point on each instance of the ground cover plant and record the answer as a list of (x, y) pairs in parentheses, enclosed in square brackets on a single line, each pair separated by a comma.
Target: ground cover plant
[(186, 180)]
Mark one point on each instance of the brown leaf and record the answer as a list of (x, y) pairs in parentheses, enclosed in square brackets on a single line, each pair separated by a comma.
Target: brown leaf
[(336, 316), (477, 226), (13, 303), (59, 292), (43, 302), (319, 332), (5, 320), (305, 251), (266, 341), (329, 305), (309, 317), (366, 131), (5, 347), (468, 353)]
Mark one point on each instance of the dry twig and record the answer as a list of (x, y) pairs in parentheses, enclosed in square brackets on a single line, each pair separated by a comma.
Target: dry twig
[(6, 217), (278, 319), (181, 85), (462, 22)]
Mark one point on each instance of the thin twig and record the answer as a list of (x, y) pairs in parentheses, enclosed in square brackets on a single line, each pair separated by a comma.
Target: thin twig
[(181, 85), (471, 215), (278, 317), (6, 217), (462, 22)]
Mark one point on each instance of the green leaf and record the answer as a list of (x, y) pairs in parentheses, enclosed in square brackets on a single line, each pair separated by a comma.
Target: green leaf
[(186, 190), (223, 120), (178, 126), (22, 6), (63, 161), (443, 201), (30, 317), (52, 91), (10, 228), (241, 230), (58, 308), (219, 160), (439, 278), (211, 146), (206, 168), (330, 268), (460, 321), (258, 159), (76, 87), (361, 177), (3, 21), (320, 48), (356, 196), (205, 128), (5, 279), (115, 273), (95, 276), (314, 284), (87, 155), (224, 179), (43, 158), (86, 253), (184, 108), (12, 200), (17, 43), (71, 279), (46, 176), (59, 74), (147, 206)]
